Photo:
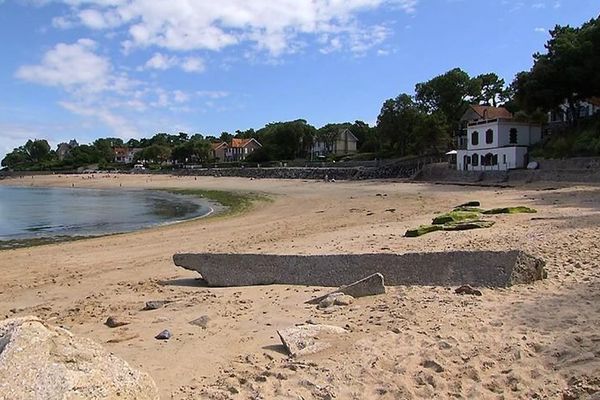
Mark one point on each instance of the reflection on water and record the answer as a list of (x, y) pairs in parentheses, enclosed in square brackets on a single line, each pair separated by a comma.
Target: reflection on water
[(43, 212)]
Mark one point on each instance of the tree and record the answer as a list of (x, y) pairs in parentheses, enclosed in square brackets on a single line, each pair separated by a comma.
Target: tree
[(491, 89), (449, 93), (193, 151), (155, 153), (396, 123), (105, 146), (286, 140), (37, 150), (567, 72)]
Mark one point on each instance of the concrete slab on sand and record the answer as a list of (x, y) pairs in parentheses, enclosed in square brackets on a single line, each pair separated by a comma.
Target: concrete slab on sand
[(478, 268)]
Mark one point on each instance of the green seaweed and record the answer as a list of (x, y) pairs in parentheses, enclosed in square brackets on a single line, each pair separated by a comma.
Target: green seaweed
[(463, 226), (510, 210), (455, 216), (469, 209), (422, 230)]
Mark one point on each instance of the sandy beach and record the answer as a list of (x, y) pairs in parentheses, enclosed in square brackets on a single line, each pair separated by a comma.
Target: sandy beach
[(539, 341)]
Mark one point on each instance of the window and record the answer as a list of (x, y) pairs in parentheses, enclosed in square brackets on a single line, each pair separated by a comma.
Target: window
[(503, 158), (489, 136), (475, 138), (495, 159), (513, 136), (475, 160)]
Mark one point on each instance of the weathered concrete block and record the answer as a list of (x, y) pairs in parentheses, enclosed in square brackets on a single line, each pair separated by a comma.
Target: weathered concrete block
[(369, 286), (454, 268)]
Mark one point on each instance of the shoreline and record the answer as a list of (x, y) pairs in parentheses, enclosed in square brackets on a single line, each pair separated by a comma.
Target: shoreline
[(500, 344), (215, 209)]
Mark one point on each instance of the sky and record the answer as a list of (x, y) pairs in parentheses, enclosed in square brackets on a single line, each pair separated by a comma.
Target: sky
[(85, 69)]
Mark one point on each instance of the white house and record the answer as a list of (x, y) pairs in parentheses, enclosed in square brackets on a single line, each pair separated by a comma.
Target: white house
[(497, 144)]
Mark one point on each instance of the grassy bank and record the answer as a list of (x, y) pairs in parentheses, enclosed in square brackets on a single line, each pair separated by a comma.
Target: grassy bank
[(233, 202)]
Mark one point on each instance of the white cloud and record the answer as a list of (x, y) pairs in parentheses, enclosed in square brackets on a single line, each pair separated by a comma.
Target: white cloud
[(160, 61), (97, 92), (277, 27), (540, 30), (193, 64), (212, 94), (163, 62), (71, 66)]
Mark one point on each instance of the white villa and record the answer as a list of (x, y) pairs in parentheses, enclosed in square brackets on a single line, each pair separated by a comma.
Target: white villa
[(497, 144)]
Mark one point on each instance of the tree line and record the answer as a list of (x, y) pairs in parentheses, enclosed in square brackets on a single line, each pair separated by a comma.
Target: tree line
[(409, 124)]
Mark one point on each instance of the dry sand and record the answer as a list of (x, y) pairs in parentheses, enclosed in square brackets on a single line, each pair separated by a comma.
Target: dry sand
[(540, 341)]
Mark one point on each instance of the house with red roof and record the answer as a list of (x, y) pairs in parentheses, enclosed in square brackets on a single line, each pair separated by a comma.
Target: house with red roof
[(236, 150), (492, 140)]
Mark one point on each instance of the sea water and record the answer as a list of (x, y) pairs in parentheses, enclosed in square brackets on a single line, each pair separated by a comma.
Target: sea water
[(28, 212)]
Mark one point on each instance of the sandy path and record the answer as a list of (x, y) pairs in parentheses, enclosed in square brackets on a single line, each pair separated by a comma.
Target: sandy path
[(538, 341)]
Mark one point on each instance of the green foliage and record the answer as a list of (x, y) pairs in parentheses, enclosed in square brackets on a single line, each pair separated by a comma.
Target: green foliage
[(29, 156), (287, 140), (567, 71), (448, 93), (155, 153)]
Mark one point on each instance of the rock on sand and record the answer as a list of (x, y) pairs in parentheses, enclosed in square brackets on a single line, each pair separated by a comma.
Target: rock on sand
[(38, 361)]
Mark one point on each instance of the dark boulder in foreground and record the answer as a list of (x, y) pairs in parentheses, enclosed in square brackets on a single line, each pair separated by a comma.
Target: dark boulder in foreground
[(453, 268)]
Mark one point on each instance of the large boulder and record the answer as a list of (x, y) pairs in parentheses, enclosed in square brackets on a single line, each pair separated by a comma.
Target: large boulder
[(38, 361)]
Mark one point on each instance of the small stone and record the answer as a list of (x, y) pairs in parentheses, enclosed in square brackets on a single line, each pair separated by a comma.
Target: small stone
[(113, 322), (233, 390), (155, 304), (343, 300), (201, 322), (430, 364), (466, 289), (164, 335), (326, 302)]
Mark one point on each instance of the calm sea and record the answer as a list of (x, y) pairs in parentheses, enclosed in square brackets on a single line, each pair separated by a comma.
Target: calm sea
[(42, 212)]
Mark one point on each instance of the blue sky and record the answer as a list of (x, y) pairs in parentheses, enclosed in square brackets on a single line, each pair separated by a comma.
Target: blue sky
[(130, 68)]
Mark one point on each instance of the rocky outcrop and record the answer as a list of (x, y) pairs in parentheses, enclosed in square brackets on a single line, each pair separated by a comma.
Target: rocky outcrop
[(38, 361), (451, 268)]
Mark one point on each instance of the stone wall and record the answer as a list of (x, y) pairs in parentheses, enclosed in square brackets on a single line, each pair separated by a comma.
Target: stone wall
[(480, 268)]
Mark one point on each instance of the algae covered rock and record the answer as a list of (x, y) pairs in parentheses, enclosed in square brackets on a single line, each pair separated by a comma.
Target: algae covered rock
[(466, 225), (422, 230), (38, 361), (455, 216), (510, 210)]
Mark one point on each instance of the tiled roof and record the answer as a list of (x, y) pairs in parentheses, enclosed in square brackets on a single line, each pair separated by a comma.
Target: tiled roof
[(241, 142), (489, 112), (217, 145)]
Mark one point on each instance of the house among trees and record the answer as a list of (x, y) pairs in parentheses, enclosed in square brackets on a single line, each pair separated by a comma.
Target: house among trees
[(237, 150), (218, 150), (495, 141), (125, 155), (64, 149), (584, 109), (339, 143)]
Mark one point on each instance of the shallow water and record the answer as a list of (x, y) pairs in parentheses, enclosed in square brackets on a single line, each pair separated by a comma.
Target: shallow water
[(46, 212)]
